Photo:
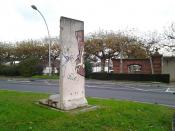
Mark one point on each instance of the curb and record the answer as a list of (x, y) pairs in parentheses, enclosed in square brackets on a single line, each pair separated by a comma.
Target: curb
[(173, 123)]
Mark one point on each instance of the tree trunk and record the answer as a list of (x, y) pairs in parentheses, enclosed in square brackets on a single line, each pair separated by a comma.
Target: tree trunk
[(121, 60), (53, 67), (151, 63), (103, 65), (53, 70), (108, 64)]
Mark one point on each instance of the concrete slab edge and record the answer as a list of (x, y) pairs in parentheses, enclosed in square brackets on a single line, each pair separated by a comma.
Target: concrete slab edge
[(77, 110)]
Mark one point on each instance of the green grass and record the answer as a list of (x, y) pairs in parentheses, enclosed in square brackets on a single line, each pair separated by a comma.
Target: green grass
[(46, 76), (18, 112)]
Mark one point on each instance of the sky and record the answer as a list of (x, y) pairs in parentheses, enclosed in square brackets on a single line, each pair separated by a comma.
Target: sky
[(20, 22)]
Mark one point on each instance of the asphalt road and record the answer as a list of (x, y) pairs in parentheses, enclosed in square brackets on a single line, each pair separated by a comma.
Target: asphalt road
[(142, 92)]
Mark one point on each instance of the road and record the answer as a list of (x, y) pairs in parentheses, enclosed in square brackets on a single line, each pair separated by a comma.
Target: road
[(141, 92)]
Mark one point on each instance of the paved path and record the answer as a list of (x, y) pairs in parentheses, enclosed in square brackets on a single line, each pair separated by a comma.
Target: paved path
[(143, 92)]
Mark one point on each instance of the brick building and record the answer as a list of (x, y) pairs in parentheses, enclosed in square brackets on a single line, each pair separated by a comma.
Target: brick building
[(138, 66)]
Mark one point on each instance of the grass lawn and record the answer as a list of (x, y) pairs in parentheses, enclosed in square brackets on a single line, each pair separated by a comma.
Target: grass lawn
[(19, 113)]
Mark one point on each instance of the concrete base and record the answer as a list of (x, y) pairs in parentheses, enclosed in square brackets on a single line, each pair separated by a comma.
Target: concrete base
[(52, 101), (55, 102)]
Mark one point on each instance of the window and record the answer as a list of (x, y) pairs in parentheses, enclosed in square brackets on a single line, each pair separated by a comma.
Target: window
[(134, 68)]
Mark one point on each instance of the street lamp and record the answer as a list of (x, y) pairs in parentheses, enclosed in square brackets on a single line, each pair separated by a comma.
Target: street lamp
[(35, 8)]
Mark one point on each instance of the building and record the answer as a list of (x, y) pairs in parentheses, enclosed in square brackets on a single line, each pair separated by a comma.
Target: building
[(160, 65), (169, 67), (138, 66)]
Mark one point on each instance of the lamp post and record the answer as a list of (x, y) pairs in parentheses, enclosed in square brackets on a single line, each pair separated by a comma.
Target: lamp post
[(35, 8)]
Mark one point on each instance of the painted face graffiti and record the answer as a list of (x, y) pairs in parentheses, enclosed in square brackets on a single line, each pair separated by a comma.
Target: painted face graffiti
[(79, 60)]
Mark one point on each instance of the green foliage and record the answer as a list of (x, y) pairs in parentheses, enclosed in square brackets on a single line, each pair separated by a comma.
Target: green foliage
[(9, 70), (19, 113), (88, 68), (31, 66)]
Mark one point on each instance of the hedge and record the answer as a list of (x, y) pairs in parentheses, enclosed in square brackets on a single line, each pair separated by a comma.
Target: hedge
[(30, 66), (131, 77), (88, 68), (26, 68), (11, 70)]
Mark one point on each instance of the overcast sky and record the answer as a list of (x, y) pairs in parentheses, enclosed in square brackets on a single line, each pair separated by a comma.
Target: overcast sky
[(19, 21)]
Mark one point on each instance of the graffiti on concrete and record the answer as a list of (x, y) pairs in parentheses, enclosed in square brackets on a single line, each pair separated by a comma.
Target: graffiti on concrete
[(77, 64), (72, 76), (67, 58)]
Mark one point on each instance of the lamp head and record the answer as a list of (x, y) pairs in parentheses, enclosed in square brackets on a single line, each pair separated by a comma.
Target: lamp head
[(34, 7)]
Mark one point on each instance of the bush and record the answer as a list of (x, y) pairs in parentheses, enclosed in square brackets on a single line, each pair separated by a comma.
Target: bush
[(31, 66), (131, 77), (88, 68), (9, 70)]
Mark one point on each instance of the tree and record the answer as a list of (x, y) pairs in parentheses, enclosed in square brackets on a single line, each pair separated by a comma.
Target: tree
[(170, 36), (107, 45), (170, 31), (136, 51), (23, 50), (103, 45), (30, 66), (150, 41), (2, 53), (38, 49), (7, 53), (55, 52), (27, 49), (99, 45)]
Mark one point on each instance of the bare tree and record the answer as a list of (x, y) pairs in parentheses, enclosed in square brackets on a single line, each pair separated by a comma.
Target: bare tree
[(150, 41), (170, 36), (7, 53)]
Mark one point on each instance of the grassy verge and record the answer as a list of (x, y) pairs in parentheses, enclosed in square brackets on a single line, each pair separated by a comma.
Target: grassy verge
[(46, 76), (18, 112)]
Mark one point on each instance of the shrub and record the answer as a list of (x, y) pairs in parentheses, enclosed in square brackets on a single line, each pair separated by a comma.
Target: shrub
[(9, 70), (30, 66), (88, 68)]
